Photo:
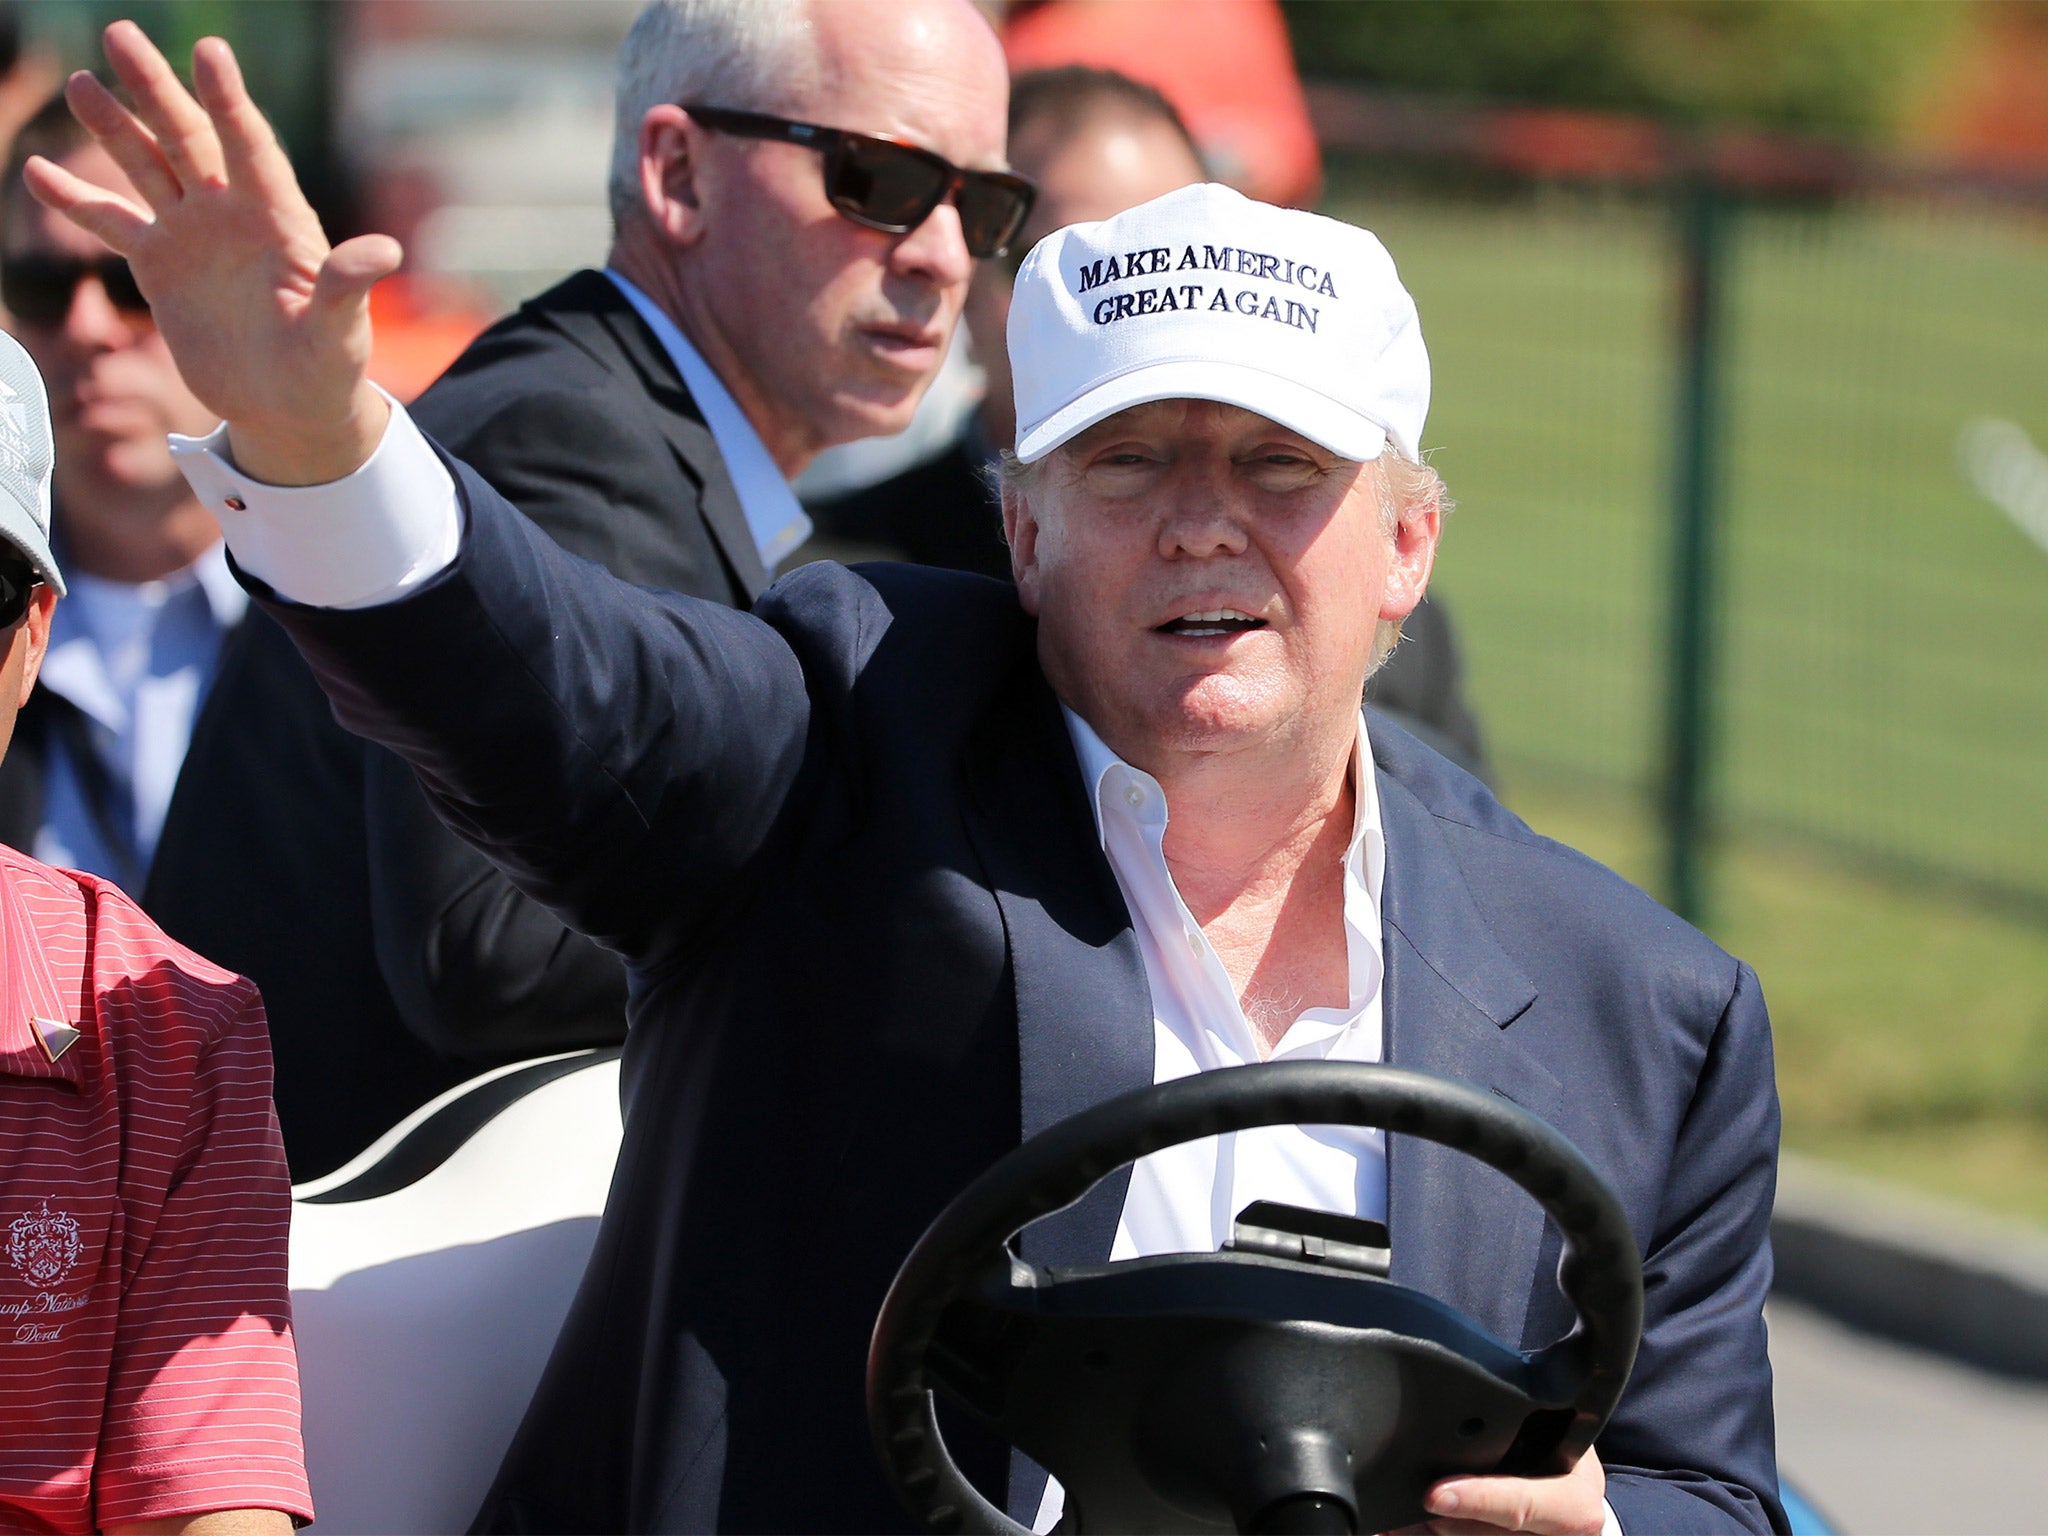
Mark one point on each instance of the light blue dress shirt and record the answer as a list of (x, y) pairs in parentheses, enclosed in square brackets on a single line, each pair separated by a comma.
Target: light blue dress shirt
[(774, 516), (136, 659)]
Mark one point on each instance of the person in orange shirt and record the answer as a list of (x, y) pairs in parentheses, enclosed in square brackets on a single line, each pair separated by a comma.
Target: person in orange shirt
[(1225, 65)]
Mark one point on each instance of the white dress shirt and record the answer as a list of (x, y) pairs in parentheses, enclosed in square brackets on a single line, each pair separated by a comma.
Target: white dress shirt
[(774, 516), (1185, 1199), (395, 523), (136, 660)]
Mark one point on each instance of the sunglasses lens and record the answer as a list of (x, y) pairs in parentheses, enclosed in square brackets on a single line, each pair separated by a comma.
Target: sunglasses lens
[(35, 289), (16, 582), (39, 289), (890, 186), (992, 210), (118, 278)]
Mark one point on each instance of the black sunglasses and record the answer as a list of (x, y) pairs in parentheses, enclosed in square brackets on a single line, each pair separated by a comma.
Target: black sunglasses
[(18, 580), (892, 186), (38, 288)]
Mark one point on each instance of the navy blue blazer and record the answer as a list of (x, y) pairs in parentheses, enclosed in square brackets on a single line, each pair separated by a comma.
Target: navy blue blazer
[(843, 845)]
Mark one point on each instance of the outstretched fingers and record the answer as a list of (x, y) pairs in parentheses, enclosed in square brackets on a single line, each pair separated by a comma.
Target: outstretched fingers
[(107, 215), (117, 130), (184, 132), (248, 145)]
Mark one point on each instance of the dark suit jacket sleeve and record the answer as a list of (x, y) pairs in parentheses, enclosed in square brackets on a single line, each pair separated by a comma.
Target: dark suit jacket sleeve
[(476, 968), (570, 449), (1693, 1445), (624, 755)]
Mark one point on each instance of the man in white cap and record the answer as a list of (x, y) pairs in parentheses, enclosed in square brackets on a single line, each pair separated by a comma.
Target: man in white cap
[(147, 1379), (904, 866)]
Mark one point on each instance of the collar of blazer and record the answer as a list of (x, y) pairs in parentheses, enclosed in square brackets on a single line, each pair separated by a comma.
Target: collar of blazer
[(592, 312), (1451, 992)]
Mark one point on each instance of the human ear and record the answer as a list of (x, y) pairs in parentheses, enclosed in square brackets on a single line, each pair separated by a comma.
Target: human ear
[(1020, 531), (35, 636), (21, 657), (1413, 555), (671, 191)]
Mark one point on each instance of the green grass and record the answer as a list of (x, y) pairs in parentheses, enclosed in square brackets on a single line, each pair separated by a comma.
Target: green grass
[(1884, 671), (1885, 661)]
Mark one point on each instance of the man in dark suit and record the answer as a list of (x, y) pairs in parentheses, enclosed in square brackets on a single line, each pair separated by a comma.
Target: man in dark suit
[(891, 860), (103, 742), (647, 417)]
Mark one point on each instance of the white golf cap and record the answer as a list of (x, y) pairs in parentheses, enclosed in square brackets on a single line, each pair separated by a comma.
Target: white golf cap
[(1204, 294), (25, 459)]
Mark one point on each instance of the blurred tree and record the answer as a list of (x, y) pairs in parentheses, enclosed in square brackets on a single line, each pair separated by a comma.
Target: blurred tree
[(1837, 67), (287, 49)]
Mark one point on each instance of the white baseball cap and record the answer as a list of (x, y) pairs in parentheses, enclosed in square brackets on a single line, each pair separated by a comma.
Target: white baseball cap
[(25, 459), (1204, 294)]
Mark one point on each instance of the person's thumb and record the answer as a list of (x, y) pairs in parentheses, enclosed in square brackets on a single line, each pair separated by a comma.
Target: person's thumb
[(351, 270)]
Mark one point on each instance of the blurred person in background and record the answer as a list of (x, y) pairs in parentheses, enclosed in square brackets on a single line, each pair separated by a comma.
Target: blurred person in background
[(425, 320), (101, 748), (1226, 65), (1096, 142), (775, 285), (147, 1377)]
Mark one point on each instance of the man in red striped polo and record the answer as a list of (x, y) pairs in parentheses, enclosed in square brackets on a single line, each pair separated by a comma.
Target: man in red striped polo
[(147, 1378)]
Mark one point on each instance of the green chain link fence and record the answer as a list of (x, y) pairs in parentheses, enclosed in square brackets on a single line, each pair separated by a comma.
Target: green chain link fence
[(1876, 491)]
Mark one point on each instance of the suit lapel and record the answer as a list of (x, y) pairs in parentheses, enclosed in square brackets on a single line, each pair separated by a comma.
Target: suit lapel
[(602, 311), (1457, 1226), (1084, 1010)]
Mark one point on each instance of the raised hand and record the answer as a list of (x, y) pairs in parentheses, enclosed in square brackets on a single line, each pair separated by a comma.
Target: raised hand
[(269, 324)]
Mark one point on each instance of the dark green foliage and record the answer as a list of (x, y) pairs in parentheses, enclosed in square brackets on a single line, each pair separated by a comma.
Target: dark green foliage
[(1839, 67)]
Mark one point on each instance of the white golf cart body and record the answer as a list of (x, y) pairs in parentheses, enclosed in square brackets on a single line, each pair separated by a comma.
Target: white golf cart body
[(429, 1278)]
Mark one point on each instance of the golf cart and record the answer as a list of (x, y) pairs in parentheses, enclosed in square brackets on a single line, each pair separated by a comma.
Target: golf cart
[(1283, 1384)]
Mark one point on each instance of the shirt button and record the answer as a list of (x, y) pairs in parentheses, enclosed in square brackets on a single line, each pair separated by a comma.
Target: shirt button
[(1135, 795), (1195, 940)]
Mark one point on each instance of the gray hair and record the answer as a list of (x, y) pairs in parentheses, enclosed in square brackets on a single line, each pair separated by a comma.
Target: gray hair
[(752, 55)]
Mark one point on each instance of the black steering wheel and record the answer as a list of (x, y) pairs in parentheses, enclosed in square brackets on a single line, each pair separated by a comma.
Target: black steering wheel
[(1283, 1384)]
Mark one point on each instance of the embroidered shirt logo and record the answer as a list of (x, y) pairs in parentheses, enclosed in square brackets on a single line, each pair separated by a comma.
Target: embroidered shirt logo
[(43, 1245)]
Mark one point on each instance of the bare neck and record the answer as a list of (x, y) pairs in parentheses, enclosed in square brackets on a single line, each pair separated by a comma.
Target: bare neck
[(639, 257), (1260, 864), (1236, 835)]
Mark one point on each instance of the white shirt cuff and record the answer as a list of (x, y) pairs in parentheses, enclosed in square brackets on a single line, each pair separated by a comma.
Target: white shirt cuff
[(353, 543), (1610, 1526)]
